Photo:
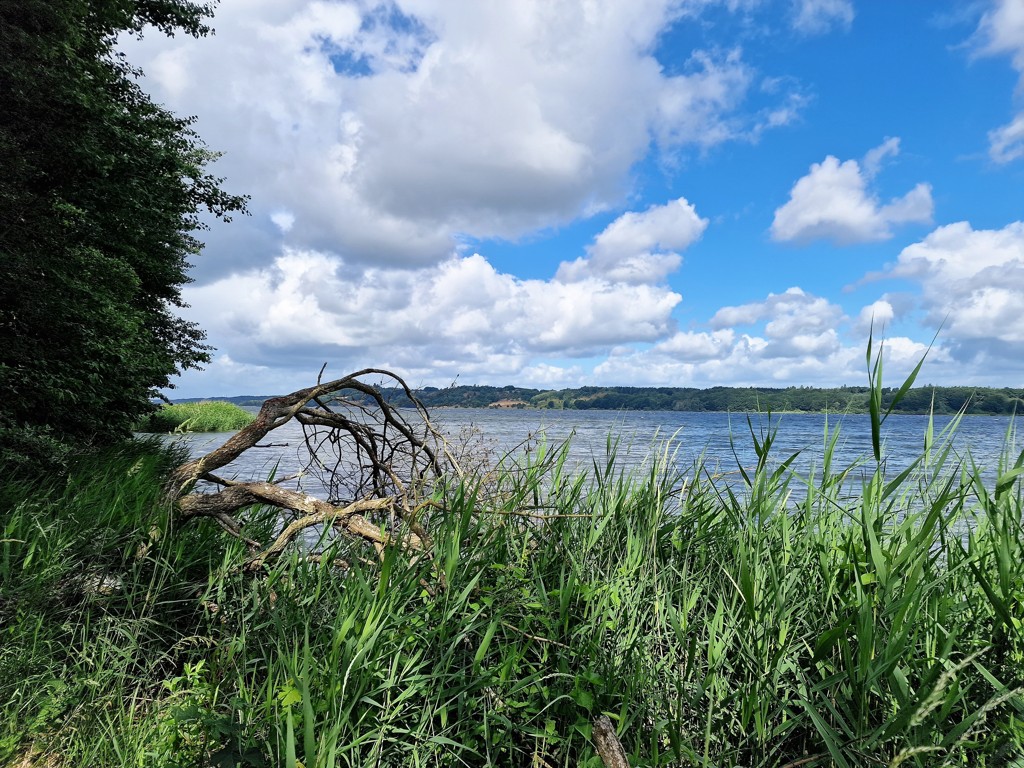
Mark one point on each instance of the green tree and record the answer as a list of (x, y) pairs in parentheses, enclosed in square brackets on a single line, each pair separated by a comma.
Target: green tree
[(100, 198)]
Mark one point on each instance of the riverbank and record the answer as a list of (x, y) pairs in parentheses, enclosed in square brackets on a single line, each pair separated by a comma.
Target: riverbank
[(837, 400), (716, 628)]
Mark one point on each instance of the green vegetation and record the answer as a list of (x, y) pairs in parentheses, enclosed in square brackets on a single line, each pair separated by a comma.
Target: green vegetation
[(204, 416), (100, 196), (920, 400), (876, 621), (242, 400)]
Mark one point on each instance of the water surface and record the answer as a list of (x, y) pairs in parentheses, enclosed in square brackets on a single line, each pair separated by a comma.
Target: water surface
[(721, 441)]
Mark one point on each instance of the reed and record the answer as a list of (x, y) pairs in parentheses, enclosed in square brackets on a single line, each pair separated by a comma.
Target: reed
[(869, 619), (205, 416)]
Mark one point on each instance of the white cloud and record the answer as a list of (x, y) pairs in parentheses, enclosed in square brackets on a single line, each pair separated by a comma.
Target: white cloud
[(1007, 142), (801, 307), (818, 16), (795, 323), (547, 376), (792, 338), (874, 158), (459, 316), (691, 346), (170, 68), (283, 220), (390, 130), (639, 247), (876, 316), (697, 107), (463, 318), (973, 281), (1001, 32), (833, 202), (789, 338)]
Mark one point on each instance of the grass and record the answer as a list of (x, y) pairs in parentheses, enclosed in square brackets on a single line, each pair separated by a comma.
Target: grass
[(875, 622), (205, 416)]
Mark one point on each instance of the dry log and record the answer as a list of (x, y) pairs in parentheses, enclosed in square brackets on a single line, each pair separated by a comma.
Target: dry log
[(356, 441), (609, 748)]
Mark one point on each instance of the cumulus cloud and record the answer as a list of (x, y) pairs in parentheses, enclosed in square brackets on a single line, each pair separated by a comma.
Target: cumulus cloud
[(833, 202), (1001, 32), (743, 364), (694, 346), (698, 107), (795, 323), (639, 247), (379, 137), (459, 316), (787, 338), (464, 318), (815, 17), (391, 129), (876, 316), (973, 281)]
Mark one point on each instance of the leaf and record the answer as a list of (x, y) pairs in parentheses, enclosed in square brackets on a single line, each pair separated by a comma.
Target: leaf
[(584, 699), (1006, 480), (485, 643), (289, 696)]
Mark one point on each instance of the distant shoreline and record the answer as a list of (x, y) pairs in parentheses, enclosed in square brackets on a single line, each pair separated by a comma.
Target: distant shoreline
[(918, 400)]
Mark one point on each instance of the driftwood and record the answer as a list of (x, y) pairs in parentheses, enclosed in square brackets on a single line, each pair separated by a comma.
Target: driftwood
[(609, 748), (376, 462)]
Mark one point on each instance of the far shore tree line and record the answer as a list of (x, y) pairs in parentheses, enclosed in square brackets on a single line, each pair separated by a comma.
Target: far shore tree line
[(918, 400)]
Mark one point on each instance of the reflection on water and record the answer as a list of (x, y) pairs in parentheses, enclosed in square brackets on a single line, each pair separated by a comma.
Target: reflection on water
[(721, 441)]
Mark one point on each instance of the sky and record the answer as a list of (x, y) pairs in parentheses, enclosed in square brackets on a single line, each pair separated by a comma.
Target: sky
[(553, 193)]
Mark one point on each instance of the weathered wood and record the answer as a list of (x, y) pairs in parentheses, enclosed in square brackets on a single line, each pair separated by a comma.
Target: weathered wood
[(608, 745), (277, 411), (390, 457)]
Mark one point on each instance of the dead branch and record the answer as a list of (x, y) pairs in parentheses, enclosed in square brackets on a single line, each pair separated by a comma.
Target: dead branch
[(377, 463), (608, 745)]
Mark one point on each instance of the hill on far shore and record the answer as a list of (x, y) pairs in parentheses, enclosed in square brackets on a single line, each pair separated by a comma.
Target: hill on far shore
[(925, 399)]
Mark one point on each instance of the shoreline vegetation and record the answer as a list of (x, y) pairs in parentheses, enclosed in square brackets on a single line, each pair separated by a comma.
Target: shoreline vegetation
[(916, 400), (200, 416), (871, 620)]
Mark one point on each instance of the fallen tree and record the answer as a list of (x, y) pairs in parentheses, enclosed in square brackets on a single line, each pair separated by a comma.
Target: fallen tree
[(377, 464)]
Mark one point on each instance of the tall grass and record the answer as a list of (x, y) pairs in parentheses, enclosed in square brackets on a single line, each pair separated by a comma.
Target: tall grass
[(205, 416), (876, 621)]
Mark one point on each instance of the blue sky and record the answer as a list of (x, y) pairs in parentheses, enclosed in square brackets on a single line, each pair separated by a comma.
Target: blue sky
[(567, 192)]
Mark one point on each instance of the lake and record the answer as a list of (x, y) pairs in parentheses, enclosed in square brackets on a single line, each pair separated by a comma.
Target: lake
[(639, 433)]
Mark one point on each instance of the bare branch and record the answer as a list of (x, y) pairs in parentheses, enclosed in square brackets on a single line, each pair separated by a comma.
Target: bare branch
[(609, 748), (376, 462)]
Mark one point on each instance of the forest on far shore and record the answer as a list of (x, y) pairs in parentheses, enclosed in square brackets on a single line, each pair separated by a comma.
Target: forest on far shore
[(939, 400)]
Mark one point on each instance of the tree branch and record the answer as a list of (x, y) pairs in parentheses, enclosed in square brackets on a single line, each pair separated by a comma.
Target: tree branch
[(358, 445)]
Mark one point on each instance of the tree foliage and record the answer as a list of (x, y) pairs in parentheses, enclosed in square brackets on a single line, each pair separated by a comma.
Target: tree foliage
[(917, 400), (100, 198)]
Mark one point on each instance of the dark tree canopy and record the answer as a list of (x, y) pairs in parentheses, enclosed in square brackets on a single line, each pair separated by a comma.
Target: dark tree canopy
[(100, 198)]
